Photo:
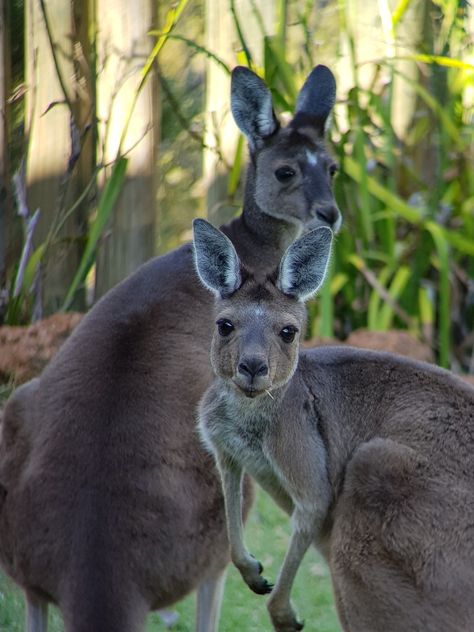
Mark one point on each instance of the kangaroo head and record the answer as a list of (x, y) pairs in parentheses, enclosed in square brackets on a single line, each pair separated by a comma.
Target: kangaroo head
[(291, 167), (259, 321)]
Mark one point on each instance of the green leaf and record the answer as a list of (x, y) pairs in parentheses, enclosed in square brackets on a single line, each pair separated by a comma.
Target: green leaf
[(197, 47), (373, 310), (426, 307), (326, 306), (241, 36), (107, 201), (444, 293), (398, 284), (338, 281), (172, 18), (440, 61), (283, 71), (390, 199), (399, 12), (437, 108), (236, 170), (32, 267)]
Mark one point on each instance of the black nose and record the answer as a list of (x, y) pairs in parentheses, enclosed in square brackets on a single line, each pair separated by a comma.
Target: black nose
[(328, 214), (253, 367)]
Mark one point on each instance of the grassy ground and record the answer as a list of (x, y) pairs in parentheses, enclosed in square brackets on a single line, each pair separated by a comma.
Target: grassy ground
[(242, 611)]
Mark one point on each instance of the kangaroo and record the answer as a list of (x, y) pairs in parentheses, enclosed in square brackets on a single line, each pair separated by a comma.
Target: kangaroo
[(370, 453), (112, 506)]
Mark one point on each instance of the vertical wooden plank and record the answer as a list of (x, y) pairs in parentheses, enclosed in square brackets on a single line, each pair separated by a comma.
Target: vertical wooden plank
[(48, 126), (123, 46), (6, 210), (221, 38)]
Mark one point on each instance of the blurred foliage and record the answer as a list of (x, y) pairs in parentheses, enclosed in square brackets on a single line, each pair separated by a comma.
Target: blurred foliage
[(405, 256), (408, 256), (23, 292)]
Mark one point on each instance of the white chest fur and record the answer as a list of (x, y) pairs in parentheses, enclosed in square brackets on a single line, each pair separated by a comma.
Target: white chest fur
[(239, 427)]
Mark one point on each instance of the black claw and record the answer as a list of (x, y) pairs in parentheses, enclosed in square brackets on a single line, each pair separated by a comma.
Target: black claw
[(263, 589), (299, 625)]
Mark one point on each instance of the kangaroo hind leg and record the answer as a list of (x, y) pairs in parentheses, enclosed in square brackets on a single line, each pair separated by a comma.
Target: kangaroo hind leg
[(209, 598), (36, 614)]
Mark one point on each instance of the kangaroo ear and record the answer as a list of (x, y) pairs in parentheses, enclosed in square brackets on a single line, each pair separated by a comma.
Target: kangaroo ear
[(315, 100), (305, 263), (215, 258), (251, 103)]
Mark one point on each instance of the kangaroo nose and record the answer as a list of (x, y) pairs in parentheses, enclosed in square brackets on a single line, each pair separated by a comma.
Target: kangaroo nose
[(328, 214), (253, 367)]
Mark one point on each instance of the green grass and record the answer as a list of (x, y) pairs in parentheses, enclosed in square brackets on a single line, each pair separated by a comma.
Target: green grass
[(242, 611)]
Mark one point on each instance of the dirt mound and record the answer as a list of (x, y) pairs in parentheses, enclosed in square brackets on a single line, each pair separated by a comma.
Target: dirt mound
[(25, 351)]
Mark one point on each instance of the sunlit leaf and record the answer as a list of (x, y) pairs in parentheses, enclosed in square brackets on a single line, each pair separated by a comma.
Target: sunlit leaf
[(107, 201)]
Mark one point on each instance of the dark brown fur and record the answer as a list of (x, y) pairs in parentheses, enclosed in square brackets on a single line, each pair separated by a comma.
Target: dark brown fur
[(112, 507)]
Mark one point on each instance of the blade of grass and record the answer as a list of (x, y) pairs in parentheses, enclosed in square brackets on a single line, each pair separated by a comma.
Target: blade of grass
[(396, 288), (282, 23), (437, 108), (365, 209), (236, 170), (272, 79), (399, 12), (31, 268), (373, 308), (372, 280), (444, 293), (425, 308), (393, 201), (440, 61), (172, 18), (240, 35), (283, 71), (108, 198), (326, 306), (197, 47)]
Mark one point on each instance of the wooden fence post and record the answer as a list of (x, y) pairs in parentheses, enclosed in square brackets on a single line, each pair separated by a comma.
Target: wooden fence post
[(54, 123), (6, 207), (123, 47), (222, 39)]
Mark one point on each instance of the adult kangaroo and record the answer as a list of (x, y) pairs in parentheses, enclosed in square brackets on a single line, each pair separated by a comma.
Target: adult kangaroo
[(371, 453), (112, 507)]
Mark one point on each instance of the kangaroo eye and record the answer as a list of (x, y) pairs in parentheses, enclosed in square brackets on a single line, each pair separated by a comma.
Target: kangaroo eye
[(283, 174), (288, 333), (333, 169), (224, 327)]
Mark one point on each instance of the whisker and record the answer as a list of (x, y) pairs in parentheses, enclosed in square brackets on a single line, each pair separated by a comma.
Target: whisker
[(268, 393)]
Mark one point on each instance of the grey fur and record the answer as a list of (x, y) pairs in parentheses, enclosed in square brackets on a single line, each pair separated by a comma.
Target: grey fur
[(316, 99), (216, 261), (109, 506), (249, 94), (305, 263), (371, 454)]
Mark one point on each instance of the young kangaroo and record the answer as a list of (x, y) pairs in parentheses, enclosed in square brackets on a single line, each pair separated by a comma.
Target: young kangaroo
[(112, 507), (371, 453)]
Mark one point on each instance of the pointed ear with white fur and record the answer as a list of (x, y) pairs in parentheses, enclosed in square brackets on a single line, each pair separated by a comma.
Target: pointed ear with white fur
[(252, 108), (305, 263), (215, 258)]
